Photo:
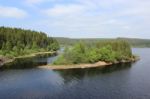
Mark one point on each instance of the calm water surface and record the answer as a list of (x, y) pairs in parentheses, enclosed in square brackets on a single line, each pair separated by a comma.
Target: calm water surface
[(126, 81)]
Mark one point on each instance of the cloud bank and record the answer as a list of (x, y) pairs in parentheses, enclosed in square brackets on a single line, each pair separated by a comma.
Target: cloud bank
[(12, 12), (86, 18)]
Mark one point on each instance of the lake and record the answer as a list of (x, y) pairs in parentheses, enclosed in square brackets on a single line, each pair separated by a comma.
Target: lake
[(122, 81)]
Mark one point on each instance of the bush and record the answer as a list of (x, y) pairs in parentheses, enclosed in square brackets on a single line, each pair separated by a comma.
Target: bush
[(107, 54), (61, 60), (92, 56)]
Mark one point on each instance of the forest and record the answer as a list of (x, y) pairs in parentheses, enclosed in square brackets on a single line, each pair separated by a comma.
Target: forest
[(134, 42), (18, 42), (108, 51)]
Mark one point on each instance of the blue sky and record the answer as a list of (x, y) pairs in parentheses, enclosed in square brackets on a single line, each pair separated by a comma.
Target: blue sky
[(79, 18)]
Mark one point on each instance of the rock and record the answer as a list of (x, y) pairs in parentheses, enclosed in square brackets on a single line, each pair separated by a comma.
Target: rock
[(1, 62)]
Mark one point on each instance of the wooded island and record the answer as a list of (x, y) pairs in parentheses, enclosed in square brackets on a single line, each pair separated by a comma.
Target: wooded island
[(114, 51)]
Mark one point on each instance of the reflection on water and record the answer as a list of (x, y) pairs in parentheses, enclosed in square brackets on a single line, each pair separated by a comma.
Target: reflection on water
[(71, 74), (30, 62)]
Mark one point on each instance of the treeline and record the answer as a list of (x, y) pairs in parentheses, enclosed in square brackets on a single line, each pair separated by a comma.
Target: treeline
[(114, 51), (17, 42), (134, 42)]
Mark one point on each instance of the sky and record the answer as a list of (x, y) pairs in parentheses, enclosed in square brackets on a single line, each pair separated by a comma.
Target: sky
[(79, 18)]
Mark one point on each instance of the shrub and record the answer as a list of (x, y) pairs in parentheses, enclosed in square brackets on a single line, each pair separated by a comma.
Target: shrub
[(107, 54)]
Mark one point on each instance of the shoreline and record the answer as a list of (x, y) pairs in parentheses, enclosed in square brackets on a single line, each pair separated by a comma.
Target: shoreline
[(4, 60), (88, 65), (35, 54)]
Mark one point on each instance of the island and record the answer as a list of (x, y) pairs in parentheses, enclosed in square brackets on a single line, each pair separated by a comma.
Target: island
[(85, 55)]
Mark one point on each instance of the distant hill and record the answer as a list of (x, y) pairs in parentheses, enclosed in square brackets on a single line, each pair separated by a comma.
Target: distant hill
[(135, 42)]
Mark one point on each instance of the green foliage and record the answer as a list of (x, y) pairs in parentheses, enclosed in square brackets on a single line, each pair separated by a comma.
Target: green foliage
[(107, 54), (34, 46), (132, 41), (54, 46), (62, 60), (113, 51), (76, 54), (17, 42), (92, 56)]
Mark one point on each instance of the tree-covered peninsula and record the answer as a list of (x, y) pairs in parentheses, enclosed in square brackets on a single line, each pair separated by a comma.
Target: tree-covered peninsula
[(114, 51), (16, 42)]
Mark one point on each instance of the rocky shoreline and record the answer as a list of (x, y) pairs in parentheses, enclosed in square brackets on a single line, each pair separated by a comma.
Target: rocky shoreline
[(4, 60)]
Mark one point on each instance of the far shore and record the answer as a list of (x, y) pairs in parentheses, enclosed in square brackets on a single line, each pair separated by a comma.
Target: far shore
[(90, 65)]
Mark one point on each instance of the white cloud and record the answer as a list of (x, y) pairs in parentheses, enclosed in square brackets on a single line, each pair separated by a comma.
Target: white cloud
[(100, 17), (36, 2), (61, 10), (30, 2), (12, 12)]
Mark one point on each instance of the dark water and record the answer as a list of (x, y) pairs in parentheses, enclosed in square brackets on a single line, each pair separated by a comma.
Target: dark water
[(123, 81), (30, 62)]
